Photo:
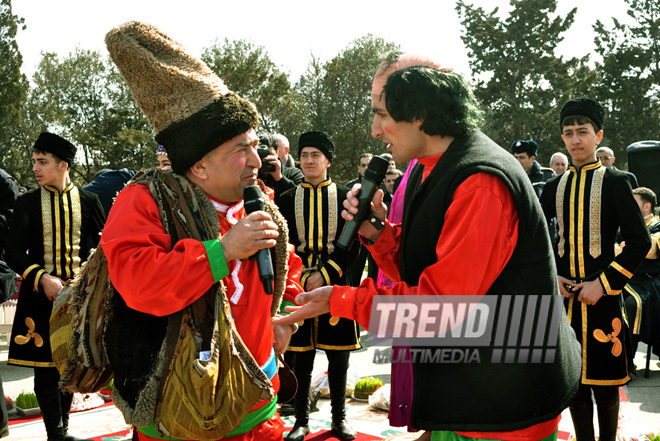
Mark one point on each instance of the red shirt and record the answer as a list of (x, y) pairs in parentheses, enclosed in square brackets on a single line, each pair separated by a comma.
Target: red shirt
[(470, 254), (156, 279)]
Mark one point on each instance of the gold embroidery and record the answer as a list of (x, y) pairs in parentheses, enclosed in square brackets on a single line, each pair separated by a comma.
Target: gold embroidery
[(617, 347), (332, 217), (638, 301), (559, 200), (23, 339), (580, 223), (76, 214), (47, 220), (595, 212), (622, 270), (300, 218)]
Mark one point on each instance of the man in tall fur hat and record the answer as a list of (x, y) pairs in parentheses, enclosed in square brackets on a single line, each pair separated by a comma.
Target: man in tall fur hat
[(168, 219)]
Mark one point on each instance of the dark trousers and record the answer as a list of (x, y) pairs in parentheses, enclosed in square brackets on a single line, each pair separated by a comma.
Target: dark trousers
[(55, 405), (302, 364), (582, 412)]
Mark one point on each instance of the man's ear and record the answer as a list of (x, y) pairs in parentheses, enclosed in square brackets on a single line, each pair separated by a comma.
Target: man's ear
[(198, 170)]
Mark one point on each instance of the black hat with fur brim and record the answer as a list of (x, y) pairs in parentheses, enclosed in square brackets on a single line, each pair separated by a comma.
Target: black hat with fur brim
[(583, 107), (318, 140), (528, 146), (56, 145)]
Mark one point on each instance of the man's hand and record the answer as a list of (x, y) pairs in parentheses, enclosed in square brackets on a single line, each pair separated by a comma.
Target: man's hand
[(315, 280), (51, 285), (254, 232), (378, 208), (566, 287), (316, 303), (590, 292), (282, 335), (275, 162)]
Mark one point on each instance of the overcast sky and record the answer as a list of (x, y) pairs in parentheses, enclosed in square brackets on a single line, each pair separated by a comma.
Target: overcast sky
[(290, 31)]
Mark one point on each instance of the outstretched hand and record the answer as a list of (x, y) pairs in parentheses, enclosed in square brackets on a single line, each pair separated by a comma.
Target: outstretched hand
[(314, 303)]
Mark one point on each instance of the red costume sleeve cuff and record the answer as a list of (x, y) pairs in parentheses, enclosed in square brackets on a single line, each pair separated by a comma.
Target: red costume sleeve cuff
[(342, 302)]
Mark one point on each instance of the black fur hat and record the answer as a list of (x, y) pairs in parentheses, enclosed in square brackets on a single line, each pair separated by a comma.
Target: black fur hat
[(583, 107), (58, 146), (319, 140), (528, 146)]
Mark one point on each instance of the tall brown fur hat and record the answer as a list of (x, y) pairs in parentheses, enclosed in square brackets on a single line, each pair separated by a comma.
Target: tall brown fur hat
[(191, 110)]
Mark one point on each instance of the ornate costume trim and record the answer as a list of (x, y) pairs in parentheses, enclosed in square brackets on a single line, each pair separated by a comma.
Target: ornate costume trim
[(27, 271), (37, 279), (31, 363), (559, 201), (332, 217), (62, 218), (621, 269), (30, 334), (337, 268), (571, 229), (47, 220), (583, 311), (316, 218), (236, 296), (612, 337), (76, 217), (636, 323), (595, 212), (300, 219), (580, 222), (232, 211), (326, 276), (606, 285)]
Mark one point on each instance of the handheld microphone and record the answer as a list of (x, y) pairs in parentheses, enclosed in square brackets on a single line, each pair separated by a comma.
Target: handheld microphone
[(252, 201), (371, 181)]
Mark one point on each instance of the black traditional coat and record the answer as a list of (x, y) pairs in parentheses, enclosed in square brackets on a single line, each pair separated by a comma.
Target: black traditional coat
[(51, 232), (591, 203), (315, 224), (644, 289)]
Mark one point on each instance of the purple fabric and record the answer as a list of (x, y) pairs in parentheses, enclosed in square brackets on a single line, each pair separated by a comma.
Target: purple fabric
[(402, 375), (396, 214)]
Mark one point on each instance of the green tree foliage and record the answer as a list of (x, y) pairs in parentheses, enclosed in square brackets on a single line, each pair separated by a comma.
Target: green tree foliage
[(519, 80), (630, 69), (339, 98), (84, 99), (13, 93), (249, 71)]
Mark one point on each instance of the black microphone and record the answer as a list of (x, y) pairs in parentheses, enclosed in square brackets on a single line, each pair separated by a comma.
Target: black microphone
[(252, 201), (371, 181)]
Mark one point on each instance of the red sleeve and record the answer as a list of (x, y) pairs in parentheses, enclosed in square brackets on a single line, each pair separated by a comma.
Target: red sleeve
[(293, 287), (150, 275), (471, 252)]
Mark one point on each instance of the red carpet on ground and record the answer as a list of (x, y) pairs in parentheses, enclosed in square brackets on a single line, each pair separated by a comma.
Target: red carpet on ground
[(323, 434), (121, 434)]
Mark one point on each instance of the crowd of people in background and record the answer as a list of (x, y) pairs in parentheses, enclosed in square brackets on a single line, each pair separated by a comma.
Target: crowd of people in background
[(534, 224)]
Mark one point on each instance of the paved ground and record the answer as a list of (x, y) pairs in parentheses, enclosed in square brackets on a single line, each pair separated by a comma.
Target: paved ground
[(639, 415)]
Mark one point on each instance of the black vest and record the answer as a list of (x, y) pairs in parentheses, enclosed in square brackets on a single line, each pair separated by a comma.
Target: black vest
[(486, 396)]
